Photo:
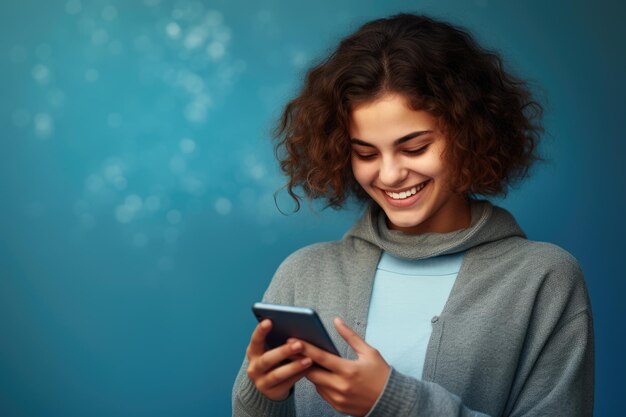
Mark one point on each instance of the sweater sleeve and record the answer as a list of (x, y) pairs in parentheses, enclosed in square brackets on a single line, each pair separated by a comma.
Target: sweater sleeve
[(555, 375), (557, 367), (247, 400), (405, 396)]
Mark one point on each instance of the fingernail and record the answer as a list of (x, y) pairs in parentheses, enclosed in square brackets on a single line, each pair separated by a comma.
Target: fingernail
[(265, 324), (306, 361), (296, 346)]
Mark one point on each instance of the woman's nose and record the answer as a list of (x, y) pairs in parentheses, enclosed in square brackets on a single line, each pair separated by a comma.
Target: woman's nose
[(391, 172)]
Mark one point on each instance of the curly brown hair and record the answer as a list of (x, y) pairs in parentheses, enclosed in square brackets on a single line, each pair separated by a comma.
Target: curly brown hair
[(489, 117)]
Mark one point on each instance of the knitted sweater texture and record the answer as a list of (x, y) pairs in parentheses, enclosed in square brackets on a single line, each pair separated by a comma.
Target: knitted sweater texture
[(515, 337)]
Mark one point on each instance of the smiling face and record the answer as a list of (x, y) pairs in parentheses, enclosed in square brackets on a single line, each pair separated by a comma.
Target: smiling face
[(397, 159)]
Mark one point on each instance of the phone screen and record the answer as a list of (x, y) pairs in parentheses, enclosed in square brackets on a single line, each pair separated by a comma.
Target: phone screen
[(299, 322)]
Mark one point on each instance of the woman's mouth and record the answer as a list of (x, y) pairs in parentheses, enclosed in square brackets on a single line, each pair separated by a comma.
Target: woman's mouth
[(406, 194), (407, 197)]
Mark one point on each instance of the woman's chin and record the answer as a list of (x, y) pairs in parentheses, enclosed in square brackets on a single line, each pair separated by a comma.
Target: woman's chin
[(403, 223)]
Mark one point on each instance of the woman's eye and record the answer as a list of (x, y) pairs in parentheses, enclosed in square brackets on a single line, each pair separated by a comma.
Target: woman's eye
[(417, 151), (365, 156)]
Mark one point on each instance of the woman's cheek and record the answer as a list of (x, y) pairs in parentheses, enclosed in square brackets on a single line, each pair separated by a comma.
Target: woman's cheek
[(360, 172)]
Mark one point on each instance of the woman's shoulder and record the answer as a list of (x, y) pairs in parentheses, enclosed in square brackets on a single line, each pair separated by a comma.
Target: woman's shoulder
[(550, 257), (535, 264), (554, 271), (521, 250), (561, 270), (549, 254)]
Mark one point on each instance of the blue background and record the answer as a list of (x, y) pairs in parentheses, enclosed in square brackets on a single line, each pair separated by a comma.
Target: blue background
[(137, 221)]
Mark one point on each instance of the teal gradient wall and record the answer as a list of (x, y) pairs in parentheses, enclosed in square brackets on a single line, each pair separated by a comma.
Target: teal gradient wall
[(137, 220)]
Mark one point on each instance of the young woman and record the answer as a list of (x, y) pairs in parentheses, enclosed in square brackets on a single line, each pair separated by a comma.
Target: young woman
[(441, 305)]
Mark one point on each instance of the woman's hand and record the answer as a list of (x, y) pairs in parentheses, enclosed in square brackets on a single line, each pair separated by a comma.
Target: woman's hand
[(265, 368), (349, 386)]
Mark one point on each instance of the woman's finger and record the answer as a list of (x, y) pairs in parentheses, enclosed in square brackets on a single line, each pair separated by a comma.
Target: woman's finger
[(286, 374), (286, 385), (354, 340), (320, 377), (323, 358), (274, 357), (257, 340)]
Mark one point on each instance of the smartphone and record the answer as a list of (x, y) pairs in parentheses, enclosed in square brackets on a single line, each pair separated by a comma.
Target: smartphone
[(299, 322)]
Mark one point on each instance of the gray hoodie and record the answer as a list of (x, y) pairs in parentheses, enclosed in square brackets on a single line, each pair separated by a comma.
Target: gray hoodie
[(515, 337)]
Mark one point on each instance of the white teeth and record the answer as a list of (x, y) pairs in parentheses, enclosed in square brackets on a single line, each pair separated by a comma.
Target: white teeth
[(407, 193)]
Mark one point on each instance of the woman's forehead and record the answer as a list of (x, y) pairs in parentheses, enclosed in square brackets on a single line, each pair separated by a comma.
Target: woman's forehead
[(389, 116)]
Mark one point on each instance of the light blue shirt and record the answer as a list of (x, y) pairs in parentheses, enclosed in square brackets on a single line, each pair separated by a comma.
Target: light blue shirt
[(406, 296)]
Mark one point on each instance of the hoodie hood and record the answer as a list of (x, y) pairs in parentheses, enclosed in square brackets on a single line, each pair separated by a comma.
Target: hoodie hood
[(489, 223)]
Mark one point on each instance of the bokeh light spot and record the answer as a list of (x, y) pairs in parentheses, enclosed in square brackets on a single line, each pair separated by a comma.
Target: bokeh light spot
[(112, 171), (223, 206), (216, 50), (126, 212), (44, 125), (41, 74), (299, 59), (123, 214), (195, 38), (173, 30), (196, 111), (187, 145), (99, 37)]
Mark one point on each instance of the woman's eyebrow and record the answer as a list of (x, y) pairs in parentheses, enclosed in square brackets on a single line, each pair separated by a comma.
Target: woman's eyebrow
[(396, 142)]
